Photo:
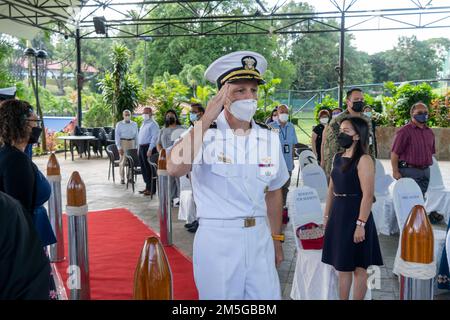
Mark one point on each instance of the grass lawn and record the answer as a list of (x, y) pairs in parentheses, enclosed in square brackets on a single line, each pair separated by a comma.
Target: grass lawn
[(306, 122)]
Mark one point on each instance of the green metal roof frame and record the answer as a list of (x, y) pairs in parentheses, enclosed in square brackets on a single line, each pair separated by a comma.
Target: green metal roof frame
[(203, 18)]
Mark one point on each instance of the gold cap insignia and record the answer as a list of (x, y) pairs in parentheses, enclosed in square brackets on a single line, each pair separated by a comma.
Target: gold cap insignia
[(249, 63)]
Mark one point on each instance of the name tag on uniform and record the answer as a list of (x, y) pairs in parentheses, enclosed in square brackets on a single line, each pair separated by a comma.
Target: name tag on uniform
[(286, 148)]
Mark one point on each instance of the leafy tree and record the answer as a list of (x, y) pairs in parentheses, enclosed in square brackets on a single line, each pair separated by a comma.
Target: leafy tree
[(98, 114), (410, 59), (203, 94), (120, 89), (403, 97), (168, 92), (6, 51)]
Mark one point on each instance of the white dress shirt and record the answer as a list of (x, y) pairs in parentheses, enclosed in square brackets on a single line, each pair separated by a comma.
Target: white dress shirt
[(126, 131)]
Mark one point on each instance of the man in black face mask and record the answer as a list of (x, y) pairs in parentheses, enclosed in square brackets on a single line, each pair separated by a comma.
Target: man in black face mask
[(330, 145), (412, 151)]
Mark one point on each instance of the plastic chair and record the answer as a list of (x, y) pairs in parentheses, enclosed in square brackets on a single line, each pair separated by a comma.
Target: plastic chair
[(114, 158), (134, 167)]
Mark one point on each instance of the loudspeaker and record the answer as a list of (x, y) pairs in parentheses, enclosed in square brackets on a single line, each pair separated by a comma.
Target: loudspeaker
[(100, 25)]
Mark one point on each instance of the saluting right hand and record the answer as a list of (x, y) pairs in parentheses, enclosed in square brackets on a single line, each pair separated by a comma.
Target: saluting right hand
[(220, 100)]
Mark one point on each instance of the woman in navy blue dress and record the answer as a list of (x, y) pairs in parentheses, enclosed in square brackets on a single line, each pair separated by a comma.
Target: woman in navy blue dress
[(351, 242)]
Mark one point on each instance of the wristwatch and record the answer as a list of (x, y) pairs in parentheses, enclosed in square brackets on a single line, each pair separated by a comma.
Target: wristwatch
[(278, 237), (360, 223)]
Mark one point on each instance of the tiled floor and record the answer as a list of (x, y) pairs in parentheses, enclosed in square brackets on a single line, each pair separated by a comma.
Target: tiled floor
[(102, 194)]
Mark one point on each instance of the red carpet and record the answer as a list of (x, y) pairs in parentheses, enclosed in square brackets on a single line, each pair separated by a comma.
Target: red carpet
[(115, 240)]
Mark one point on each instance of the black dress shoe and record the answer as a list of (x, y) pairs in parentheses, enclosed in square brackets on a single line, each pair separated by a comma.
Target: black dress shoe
[(193, 229), (192, 225), (122, 181), (435, 217), (143, 191)]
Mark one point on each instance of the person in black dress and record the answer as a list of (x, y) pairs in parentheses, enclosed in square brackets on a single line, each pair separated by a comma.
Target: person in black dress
[(351, 242), (316, 138), (24, 268), (19, 176)]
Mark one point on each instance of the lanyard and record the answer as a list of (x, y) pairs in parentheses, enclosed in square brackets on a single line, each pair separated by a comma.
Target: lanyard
[(284, 134)]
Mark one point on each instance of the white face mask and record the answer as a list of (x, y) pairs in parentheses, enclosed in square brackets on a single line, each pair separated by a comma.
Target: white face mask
[(323, 120), (146, 116), (283, 117), (243, 110)]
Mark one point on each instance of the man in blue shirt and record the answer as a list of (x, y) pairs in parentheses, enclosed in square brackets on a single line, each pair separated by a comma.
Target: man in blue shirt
[(148, 134), (288, 139)]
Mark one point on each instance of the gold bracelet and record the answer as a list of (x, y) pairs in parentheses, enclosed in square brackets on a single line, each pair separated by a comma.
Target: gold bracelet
[(278, 237)]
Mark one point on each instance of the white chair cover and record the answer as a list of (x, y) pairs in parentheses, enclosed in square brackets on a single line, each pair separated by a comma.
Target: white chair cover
[(384, 215), (406, 194), (313, 176), (382, 180), (437, 196), (383, 209), (313, 279), (306, 157), (187, 209)]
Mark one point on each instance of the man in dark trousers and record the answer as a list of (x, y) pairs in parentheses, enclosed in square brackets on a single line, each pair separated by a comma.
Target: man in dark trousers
[(412, 151), (148, 134)]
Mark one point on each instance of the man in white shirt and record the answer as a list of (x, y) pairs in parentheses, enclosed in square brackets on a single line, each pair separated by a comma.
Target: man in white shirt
[(126, 135), (148, 134), (237, 171)]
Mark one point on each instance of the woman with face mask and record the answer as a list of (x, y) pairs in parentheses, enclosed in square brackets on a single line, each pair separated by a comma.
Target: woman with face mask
[(316, 138), (273, 116), (335, 112), (351, 242), (19, 176), (167, 136)]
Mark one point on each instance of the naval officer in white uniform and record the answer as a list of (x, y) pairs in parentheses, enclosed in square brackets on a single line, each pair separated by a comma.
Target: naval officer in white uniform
[(238, 170)]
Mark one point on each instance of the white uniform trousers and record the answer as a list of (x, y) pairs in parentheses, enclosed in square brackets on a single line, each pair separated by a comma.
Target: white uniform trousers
[(232, 262)]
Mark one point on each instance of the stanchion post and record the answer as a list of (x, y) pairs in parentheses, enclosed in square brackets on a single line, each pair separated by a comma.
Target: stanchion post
[(417, 246), (77, 210), (153, 277), (164, 210), (56, 251)]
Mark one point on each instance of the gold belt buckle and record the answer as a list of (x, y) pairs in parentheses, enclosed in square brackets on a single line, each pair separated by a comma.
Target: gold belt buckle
[(249, 222)]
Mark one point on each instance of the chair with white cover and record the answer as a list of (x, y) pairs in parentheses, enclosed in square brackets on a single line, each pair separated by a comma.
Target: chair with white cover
[(187, 207), (313, 279), (437, 196), (407, 194), (383, 208), (307, 157), (313, 176)]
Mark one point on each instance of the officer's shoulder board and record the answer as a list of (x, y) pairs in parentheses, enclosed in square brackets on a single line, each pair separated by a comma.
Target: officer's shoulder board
[(266, 126), (213, 125)]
